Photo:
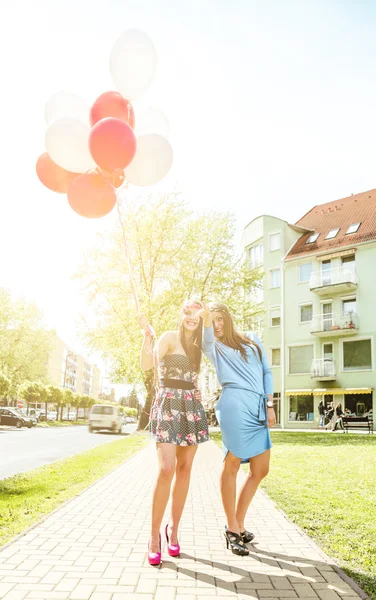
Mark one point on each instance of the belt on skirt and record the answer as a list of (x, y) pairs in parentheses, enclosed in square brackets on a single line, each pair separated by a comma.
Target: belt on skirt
[(263, 398), (177, 384)]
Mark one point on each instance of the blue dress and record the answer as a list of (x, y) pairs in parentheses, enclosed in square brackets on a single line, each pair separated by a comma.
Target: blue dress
[(241, 409)]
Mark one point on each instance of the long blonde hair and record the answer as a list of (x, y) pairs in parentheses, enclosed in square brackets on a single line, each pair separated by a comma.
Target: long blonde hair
[(192, 347), (231, 336)]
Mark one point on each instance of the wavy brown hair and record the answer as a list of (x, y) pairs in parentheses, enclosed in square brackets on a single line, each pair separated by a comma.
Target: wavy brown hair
[(231, 337), (192, 346)]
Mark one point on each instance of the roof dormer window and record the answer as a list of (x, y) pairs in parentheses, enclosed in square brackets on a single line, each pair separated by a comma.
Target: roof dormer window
[(332, 234), (353, 228), (312, 238)]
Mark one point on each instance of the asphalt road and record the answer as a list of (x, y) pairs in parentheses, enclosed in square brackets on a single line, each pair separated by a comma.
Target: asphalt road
[(24, 449)]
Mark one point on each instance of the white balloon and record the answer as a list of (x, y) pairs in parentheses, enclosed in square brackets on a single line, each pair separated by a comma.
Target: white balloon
[(152, 162), (151, 120), (67, 143), (66, 105), (133, 63)]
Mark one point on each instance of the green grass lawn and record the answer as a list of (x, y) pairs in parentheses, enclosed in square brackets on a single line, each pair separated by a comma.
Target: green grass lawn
[(326, 483), (26, 498)]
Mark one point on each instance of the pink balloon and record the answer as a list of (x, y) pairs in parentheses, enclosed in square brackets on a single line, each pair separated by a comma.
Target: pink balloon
[(112, 104), (112, 144)]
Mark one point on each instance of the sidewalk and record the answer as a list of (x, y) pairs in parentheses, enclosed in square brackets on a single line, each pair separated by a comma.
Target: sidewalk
[(95, 547)]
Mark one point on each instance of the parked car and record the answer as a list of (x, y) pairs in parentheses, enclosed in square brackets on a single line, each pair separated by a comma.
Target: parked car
[(72, 415), (34, 413), (34, 420), (105, 416), (52, 415), (10, 416), (129, 419)]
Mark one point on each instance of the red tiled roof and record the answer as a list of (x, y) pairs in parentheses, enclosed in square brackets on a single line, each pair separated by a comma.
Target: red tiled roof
[(360, 208)]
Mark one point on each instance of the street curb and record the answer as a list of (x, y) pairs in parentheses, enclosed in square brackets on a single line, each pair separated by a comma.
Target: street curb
[(23, 533)]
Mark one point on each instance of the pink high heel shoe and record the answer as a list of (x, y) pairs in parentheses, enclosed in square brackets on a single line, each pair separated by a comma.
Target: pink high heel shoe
[(155, 558), (172, 549)]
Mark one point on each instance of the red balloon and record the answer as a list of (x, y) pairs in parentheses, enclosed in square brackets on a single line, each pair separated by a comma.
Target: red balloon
[(112, 144), (116, 178), (112, 104), (91, 195), (55, 178)]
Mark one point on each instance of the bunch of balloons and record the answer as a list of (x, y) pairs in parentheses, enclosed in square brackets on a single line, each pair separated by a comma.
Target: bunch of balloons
[(91, 151)]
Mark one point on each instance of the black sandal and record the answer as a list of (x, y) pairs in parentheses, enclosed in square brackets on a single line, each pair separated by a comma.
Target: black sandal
[(247, 536), (235, 542)]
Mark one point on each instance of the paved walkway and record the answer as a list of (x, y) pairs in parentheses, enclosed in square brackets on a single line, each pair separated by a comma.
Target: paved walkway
[(94, 547)]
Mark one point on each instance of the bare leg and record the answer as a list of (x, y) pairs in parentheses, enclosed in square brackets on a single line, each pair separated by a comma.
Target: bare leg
[(229, 473), (166, 454), (184, 461), (258, 469)]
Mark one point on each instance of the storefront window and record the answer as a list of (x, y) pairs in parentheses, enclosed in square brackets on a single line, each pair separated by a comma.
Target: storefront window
[(301, 408)]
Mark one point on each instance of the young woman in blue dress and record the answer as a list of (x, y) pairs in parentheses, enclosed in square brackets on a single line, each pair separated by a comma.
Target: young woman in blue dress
[(244, 411)]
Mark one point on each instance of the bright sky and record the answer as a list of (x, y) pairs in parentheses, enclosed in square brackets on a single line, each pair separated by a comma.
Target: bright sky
[(271, 108)]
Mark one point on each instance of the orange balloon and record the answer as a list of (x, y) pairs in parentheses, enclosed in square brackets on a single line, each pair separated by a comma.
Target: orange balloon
[(91, 195), (52, 176)]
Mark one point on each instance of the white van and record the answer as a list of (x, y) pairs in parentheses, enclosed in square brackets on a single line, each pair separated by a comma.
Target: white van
[(105, 416)]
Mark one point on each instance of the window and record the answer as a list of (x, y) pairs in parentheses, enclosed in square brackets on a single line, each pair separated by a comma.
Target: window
[(301, 408), (306, 313), (300, 359), (332, 234), (276, 357), (327, 351), (348, 261), (305, 272), (275, 317), (274, 241), (326, 272), (275, 278), (357, 355), (349, 306), (312, 238), (256, 256), (353, 228), (277, 406)]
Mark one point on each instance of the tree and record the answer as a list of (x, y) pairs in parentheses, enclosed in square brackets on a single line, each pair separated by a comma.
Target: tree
[(68, 399), (55, 396), (86, 403), (33, 391), (130, 400), (24, 343), (5, 384), (175, 255)]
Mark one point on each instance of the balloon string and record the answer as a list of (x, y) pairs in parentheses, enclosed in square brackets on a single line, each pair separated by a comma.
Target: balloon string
[(128, 257)]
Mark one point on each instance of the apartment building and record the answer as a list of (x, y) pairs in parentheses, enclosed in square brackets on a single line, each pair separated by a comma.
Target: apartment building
[(319, 324), (69, 369)]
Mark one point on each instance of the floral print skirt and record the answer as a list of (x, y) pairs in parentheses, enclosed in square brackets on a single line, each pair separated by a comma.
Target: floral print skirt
[(178, 418)]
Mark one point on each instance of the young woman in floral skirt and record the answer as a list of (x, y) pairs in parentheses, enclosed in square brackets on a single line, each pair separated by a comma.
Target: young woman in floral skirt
[(177, 421)]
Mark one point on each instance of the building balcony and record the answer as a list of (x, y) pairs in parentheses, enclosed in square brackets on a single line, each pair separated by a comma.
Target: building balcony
[(335, 325), (334, 281), (323, 369)]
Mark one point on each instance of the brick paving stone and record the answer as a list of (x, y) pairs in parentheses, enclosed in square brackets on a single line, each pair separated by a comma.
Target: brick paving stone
[(15, 595), (95, 547)]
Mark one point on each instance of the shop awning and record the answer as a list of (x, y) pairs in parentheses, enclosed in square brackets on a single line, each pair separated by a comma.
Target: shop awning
[(298, 392), (340, 391)]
